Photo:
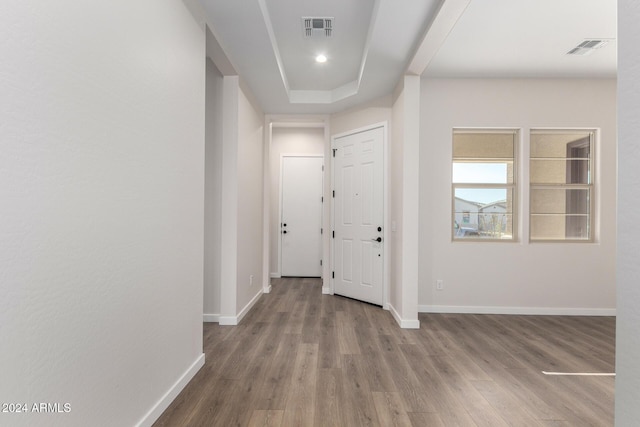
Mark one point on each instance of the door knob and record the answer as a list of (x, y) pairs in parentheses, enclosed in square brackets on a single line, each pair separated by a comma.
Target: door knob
[(379, 239), (284, 232)]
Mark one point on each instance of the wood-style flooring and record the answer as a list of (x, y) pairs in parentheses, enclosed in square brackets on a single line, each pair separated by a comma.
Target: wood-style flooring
[(300, 358)]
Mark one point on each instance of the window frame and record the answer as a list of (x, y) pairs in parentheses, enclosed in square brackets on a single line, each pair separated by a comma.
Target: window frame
[(512, 187), (590, 186)]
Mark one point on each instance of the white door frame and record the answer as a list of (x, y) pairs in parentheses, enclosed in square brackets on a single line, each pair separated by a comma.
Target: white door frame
[(386, 232), (282, 156), (296, 121)]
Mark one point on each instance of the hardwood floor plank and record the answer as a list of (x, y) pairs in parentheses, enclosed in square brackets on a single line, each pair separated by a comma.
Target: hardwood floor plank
[(275, 386), (382, 325), (434, 385), (556, 423), (588, 349), (213, 410), (378, 372), (356, 402), (303, 358), (346, 334), (478, 408), (328, 392), (311, 323), (390, 409), (295, 322), (505, 404), (328, 352), (353, 314), (595, 397), (328, 306), (422, 419), (235, 365), (556, 353), (407, 384), (300, 406), (527, 396), (261, 418), (559, 397), (458, 418)]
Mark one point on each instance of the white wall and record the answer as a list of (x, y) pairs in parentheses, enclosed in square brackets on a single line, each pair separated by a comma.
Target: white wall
[(374, 112), (627, 338), (242, 203), (229, 214), (287, 141), (250, 203), (101, 181), (541, 277), (213, 192), (403, 192), (395, 183)]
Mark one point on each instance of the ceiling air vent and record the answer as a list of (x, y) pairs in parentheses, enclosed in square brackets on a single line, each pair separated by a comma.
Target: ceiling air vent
[(317, 27), (588, 46)]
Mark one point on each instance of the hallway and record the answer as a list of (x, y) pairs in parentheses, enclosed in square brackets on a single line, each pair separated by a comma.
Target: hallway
[(302, 358)]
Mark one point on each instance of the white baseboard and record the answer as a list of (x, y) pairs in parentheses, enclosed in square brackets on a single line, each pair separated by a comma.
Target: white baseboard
[(210, 318), (404, 323), (164, 402), (275, 275), (234, 320), (266, 290), (326, 291), (539, 311)]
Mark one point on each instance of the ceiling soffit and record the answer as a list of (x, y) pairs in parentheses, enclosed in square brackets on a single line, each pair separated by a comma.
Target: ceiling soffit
[(305, 80)]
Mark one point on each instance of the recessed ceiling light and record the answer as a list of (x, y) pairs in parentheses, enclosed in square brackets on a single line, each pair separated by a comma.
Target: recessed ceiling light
[(321, 58)]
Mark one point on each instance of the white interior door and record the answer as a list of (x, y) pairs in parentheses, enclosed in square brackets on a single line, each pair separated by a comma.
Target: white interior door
[(301, 219), (358, 173)]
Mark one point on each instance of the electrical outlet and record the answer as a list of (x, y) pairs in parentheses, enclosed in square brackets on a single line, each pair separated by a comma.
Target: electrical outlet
[(251, 280), (439, 285)]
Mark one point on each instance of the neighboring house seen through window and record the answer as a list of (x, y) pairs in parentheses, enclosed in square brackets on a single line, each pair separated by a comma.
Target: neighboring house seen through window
[(483, 184)]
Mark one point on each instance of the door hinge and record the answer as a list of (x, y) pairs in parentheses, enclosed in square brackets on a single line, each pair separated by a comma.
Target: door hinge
[(333, 274), (334, 194), (321, 231), (322, 168), (320, 262), (333, 234), (322, 199), (334, 152)]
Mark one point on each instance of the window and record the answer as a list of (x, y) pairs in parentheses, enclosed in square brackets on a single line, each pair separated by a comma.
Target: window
[(561, 185), (483, 184)]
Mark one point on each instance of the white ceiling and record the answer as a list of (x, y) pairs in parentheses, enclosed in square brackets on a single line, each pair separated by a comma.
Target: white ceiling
[(374, 42), (529, 38)]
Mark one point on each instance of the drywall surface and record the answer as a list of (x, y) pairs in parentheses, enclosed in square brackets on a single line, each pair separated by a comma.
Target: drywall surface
[(250, 202), (628, 268), (571, 278), (101, 182), (404, 202), (213, 191), (229, 214), (287, 141), (410, 202), (396, 143), (363, 116)]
